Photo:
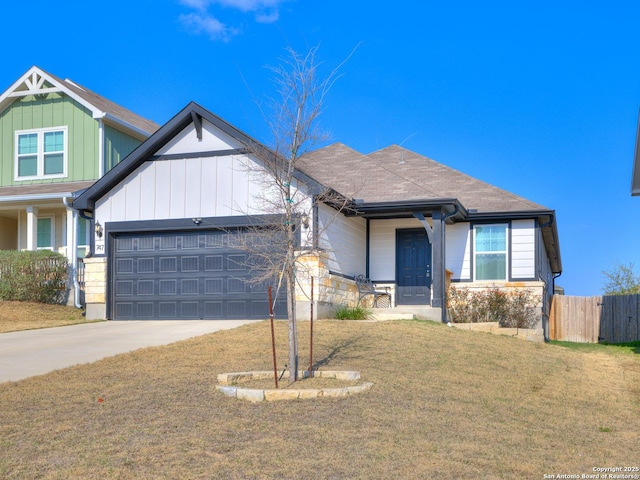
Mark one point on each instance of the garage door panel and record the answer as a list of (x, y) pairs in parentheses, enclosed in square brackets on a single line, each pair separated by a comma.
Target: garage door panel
[(168, 310), (124, 265), (168, 287), (146, 265), (213, 263), (189, 286), (145, 310), (168, 265), (146, 287), (189, 310), (154, 272), (213, 310), (213, 286), (190, 264)]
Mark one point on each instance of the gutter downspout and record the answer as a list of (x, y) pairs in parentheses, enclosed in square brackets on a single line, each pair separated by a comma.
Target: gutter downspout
[(71, 244)]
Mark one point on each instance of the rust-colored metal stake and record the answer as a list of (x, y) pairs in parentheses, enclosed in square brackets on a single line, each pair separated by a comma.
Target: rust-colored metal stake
[(311, 334), (273, 338)]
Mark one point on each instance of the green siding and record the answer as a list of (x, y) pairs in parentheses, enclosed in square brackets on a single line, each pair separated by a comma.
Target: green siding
[(52, 110), (117, 145)]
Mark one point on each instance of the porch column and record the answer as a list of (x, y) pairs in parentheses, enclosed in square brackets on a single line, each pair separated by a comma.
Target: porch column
[(32, 228), (438, 277), (71, 235)]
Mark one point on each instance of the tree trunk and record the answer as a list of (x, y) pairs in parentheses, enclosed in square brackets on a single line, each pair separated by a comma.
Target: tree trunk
[(290, 270), (293, 327)]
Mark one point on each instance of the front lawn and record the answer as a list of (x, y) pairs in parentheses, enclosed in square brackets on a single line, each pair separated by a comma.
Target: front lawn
[(446, 403), (15, 316)]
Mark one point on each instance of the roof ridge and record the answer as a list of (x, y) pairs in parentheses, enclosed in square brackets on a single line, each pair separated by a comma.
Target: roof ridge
[(384, 167), (459, 172)]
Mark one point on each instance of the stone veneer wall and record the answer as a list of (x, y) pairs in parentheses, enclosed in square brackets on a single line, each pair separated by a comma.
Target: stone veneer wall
[(329, 290), (95, 287)]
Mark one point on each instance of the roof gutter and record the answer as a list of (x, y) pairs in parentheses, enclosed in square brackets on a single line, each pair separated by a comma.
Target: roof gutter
[(451, 206), (518, 214), (113, 119), (36, 196)]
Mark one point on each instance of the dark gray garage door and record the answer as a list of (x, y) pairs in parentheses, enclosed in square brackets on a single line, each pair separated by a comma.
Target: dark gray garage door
[(187, 275)]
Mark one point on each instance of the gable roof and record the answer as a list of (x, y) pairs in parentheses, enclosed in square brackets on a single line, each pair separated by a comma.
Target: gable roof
[(36, 81), (397, 174), (192, 113)]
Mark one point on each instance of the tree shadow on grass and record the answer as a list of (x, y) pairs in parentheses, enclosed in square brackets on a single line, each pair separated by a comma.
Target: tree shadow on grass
[(340, 350)]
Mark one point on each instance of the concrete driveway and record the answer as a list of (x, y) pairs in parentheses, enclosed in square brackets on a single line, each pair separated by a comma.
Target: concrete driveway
[(35, 352)]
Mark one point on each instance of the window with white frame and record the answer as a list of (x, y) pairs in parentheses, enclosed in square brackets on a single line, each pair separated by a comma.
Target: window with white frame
[(46, 234), (41, 153), (83, 237), (490, 252)]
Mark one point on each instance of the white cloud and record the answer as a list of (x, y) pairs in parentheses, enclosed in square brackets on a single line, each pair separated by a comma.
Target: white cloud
[(216, 30), (250, 5), (200, 5), (264, 11), (267, 16)]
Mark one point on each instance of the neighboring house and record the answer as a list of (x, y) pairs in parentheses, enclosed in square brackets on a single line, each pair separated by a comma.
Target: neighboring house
[(164, 217), (56, 137), (635, 174)]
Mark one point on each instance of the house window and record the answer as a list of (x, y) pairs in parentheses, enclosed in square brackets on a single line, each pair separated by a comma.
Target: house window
[(41, 153), (83, 237), (45, 234), (490, 252)]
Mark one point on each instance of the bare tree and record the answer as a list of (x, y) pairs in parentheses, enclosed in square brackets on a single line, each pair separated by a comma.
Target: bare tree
[(274, 243)]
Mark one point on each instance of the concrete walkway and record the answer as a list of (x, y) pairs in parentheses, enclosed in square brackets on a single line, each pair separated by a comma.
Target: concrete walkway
[(35, 352)]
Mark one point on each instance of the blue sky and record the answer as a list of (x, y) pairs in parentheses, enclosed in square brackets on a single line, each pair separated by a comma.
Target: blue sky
[(538, 98)]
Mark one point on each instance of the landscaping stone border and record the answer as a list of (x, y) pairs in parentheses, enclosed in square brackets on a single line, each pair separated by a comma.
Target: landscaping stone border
[(227, 386)]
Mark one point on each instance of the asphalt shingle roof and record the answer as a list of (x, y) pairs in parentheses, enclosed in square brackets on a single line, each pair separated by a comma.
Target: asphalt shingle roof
[(397, 174), (108, 106)]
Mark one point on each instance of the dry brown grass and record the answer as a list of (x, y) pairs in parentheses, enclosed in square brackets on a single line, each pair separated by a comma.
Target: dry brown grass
[(446, 404), (15, 316)]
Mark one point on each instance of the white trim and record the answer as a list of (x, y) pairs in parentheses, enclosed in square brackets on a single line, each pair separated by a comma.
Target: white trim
[(35, 197), (32, 228), (33, 80), (506, 253), (40, 132), (101, 165)]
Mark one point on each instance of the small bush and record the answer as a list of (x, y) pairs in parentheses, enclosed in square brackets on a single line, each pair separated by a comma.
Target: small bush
[(33, 276), (513, 308), (352, 313)]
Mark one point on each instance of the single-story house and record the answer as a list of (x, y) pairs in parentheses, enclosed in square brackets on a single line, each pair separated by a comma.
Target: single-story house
[(162, 217)]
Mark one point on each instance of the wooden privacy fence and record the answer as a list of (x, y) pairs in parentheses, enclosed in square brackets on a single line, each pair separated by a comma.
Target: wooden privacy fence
[(610, 318)]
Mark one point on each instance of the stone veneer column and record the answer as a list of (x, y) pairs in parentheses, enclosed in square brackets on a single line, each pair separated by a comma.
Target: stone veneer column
[(95, 287), (312, 264)]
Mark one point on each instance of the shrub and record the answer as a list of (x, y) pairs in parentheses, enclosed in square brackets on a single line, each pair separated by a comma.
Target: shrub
[(352, 313), (514, 308), (33, 276)]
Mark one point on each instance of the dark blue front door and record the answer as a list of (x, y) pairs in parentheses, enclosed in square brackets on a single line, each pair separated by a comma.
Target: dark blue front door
[(413, 267)]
